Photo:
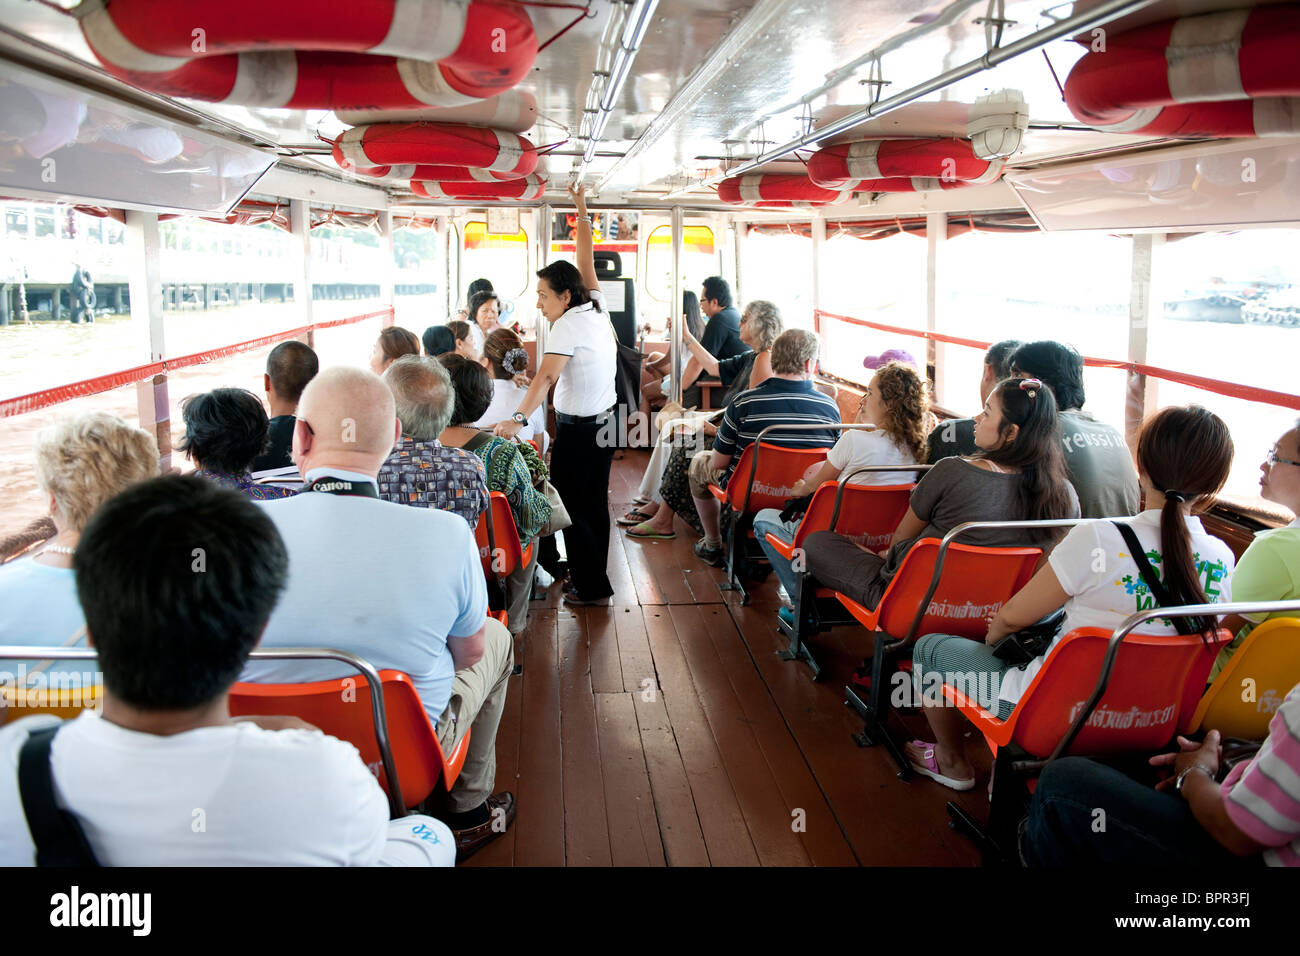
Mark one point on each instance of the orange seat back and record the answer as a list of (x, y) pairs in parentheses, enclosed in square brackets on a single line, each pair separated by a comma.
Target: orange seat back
[(498, 539), (1142, 708), (1244, 697), (976, 582), (868, 513), (341, 708), (772, 485)]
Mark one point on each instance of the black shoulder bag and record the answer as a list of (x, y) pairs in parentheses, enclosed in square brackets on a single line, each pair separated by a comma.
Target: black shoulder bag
[(57, 834), (1184, 625), (1024, 645)]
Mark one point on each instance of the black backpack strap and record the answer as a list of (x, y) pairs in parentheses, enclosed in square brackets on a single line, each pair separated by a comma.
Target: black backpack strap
[(1186, 625), (57, 834)]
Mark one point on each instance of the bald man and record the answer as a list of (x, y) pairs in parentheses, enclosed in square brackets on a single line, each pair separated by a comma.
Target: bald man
[(401, 587)]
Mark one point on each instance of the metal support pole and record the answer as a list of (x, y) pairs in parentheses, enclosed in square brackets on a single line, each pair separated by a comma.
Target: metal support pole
[(387, 268), (741, 228), (675, 309), (300, 226), (818, 240), (144, 248), (544, 225), (1144, 298), (936, 231)]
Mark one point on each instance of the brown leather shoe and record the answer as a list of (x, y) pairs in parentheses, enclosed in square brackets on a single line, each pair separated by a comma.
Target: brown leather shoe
[(469, 841)]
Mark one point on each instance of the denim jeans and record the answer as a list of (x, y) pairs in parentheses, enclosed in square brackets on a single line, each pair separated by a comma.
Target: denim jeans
[(1086, 813), (769, 519)]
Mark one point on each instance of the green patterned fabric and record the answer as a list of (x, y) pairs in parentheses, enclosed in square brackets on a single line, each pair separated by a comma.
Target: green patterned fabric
[(507, 472)]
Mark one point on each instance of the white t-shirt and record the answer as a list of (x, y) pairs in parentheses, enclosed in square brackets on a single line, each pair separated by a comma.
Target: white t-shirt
[(858, 448), (584, 333), (506, 398), (479, 337), (1095, 568), (39, 606), (384, 581), (235, 795)]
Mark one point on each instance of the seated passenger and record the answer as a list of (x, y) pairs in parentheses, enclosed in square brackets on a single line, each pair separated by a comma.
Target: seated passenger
[(80, 463), (1184, 455), (956, 436), (464, 339), (506, 359), (1018, 475), (787, 397), (1189, 819), (484, 310), (656, 376), (289, 367), (392, 344), (1270, 568), (225, 429), (165, 776), (1096, 456), (896, 404), (683, 433), (438, 341), (401, 587), (507, 472), (721, 337), (420, 471)]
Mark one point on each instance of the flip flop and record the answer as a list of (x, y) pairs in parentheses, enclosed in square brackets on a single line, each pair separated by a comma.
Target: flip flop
[(643, 531), (640, 500), (635, 516), (930, 768)]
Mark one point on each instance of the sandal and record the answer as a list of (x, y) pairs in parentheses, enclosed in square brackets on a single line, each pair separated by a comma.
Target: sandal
[(643, 530), (635, 516), (930, 768)]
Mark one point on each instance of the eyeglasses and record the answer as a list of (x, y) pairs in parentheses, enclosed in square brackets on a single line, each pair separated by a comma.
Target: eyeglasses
[(1272, 459)]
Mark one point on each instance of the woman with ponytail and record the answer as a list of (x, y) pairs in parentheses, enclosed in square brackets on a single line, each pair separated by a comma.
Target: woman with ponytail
[(505, 359), (1184, 455)]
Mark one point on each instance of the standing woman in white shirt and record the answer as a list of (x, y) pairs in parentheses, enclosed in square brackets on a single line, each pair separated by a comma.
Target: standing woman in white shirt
[(580, 361)]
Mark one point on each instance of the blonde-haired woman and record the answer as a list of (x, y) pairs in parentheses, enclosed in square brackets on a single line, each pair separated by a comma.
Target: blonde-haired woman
[(80, 464)]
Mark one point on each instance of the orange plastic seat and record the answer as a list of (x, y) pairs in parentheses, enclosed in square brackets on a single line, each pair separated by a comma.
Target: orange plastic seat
[(867, 514), (764, 477), (975, 582), (1246, 694), (341, 707), (1077, 705), (499, 548)]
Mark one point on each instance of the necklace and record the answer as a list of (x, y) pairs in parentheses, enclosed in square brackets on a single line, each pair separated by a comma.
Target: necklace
[(60, 549)]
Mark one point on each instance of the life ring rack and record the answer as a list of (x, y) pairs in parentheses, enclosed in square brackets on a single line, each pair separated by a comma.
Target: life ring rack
[(949, 160)]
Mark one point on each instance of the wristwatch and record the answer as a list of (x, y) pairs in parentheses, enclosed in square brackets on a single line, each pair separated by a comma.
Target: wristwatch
[(520, 418), (1178, 781)]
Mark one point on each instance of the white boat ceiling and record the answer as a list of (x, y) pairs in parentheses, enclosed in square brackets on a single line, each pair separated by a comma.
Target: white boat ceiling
[(714, 79)]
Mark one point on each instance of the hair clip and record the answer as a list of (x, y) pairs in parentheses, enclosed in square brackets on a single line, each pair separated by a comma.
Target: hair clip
[(1030, 385), (515, 361)]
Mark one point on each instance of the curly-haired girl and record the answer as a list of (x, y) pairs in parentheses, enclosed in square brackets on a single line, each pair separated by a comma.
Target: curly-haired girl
[(895, 403)]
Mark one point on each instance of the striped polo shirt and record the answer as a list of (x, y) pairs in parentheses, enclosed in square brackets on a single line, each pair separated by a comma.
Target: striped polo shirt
[(778, 401), (1263, 797)]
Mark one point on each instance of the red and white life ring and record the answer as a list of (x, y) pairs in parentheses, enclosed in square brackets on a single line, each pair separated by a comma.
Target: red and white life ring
[(426, 173), (775, 187), (514, 110), (435, 144), (314, 54), (951, 160), (528, 188), (1220, 74)]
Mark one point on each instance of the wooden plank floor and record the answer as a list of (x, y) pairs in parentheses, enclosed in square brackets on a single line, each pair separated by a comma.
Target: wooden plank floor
[(665, 730)]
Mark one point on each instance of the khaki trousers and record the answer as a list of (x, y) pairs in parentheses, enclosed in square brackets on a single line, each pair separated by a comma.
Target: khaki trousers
[(702, 473), (478, 696)]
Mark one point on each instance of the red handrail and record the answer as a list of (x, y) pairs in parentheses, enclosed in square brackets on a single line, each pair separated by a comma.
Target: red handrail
[(105, 383), (1250, 393)]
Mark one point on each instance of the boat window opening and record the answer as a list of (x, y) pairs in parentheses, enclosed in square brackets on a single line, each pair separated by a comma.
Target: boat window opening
[(778, 268), (612, 231), (504, 261), (701, 258), (890, 289), (1071, 287)]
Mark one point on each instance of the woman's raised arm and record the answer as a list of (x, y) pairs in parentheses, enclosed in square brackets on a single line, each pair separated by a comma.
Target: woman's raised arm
[(586, 260)]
